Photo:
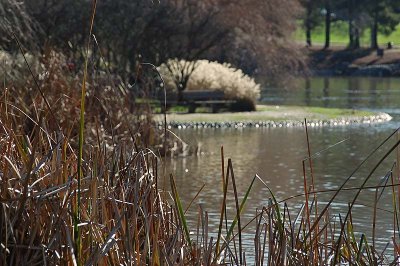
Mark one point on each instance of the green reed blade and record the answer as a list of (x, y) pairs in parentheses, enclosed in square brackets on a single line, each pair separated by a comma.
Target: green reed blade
[(181, 214), (242, 204), (362, 186), (77, 236), (360, 248), (325, 209), (275, 205), (225, 190)]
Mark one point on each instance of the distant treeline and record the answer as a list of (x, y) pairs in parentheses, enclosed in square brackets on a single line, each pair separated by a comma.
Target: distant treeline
[(380, 16), (252, 35)]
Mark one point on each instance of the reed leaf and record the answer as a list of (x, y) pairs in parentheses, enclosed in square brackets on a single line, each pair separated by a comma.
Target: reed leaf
[(242, 204), (275, 206), (179, 208)]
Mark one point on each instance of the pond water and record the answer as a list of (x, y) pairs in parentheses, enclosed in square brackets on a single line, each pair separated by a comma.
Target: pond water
[(276, 155), (343, 92)]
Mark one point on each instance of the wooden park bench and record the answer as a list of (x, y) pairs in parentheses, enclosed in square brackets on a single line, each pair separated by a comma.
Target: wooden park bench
[(207, 98), (214, 99)]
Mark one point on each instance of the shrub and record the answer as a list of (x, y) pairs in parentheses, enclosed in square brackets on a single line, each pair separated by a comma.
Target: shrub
[(209, 75), (243, 105)]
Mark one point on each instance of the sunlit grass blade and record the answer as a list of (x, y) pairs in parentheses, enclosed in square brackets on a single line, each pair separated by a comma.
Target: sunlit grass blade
[(360, 249), (325, 209), (221, 219), (275, 206), (194, 198), (179, 208), (77, 236), (396, 225), (361, 187), (230, 168), (242, 205)]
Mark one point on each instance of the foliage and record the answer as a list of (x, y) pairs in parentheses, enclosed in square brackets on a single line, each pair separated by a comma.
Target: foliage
[(125, 218), (380, 16), (128, 219), (339, 35), (208, 75), (154, 31), (16, 22), (111, 112), (311, 18)]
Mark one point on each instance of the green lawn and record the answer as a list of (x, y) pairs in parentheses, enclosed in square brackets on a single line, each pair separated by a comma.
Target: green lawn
[(270, 113), (339, 35)]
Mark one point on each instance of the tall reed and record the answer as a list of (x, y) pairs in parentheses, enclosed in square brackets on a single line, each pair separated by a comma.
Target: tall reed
[(127, 219), (98, 200)]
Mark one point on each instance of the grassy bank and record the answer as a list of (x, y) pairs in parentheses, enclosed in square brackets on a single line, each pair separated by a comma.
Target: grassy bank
[(338, 59), (271, 113), (339, 35)]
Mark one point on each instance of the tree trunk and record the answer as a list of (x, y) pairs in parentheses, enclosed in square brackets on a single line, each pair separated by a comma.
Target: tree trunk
[(308, 25), (327, 25), (374, 33), (356, 37), (308, 34), (181, 86), (351, 25), (180, 95), (351, 34)]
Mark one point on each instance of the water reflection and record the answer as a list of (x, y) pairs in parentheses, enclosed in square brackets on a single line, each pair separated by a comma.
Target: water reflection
[(307, 90), (276, 155), (325, 92), (353, 92), (373, 94)]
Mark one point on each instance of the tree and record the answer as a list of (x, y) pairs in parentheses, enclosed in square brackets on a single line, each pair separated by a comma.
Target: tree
[(199, 33), (311, 18), (354, 30), (328, 19), (180, 71), (385, 16), (215, 76), (253, 35), (380, 15), (262, 41), (352, 11)]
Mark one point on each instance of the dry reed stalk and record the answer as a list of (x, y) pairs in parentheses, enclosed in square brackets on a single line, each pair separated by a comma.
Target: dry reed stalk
[(124, 216)]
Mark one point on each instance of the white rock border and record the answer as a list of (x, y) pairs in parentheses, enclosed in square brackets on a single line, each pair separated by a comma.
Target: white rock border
[(378, 118)]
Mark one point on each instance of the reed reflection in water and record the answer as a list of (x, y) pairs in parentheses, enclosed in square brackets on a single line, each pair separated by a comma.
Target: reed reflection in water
[(276, 155)]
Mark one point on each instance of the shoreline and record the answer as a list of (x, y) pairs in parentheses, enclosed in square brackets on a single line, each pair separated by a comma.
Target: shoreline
[(340, 61), (294, 117)]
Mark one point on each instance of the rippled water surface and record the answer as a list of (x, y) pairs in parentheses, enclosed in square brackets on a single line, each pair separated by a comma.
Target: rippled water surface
[(276, 155)]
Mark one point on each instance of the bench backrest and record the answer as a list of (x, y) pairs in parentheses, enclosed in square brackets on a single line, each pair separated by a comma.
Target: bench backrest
[(203, 95)]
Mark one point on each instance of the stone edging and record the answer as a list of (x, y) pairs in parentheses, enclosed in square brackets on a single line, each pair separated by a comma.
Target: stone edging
[(378, 118)]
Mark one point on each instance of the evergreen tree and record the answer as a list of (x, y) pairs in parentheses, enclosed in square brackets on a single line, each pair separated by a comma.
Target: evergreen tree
[(385, 16), (311, 17), (328, 19)]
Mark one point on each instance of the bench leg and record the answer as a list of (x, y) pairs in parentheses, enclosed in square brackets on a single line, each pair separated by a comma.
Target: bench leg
[(192, 108), (214, 108)]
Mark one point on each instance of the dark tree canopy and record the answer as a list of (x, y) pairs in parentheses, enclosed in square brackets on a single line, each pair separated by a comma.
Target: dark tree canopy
[(253, 35)]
